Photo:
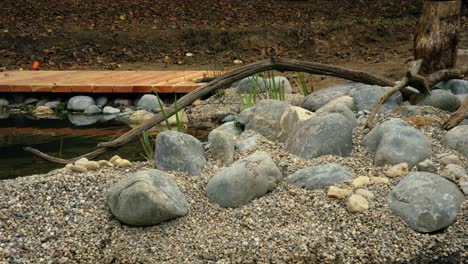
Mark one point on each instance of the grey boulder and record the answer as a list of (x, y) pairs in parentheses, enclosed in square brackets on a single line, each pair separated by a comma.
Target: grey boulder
[(101, 101), (456, 86), (83, 120), (222, 142), (457, 139), (441, 99), (317, 177), (340, 109), (244, 180), (249, 85), (425, 201), (80, 103), (366, 98), (321, 135), (278, 84), (275, 119), (176, 151), (417, 110), (321, 97), (146, 198), (148, 102), (395, 141)]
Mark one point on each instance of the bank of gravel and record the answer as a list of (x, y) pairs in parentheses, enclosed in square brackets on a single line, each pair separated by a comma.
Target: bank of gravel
[(63, 217)]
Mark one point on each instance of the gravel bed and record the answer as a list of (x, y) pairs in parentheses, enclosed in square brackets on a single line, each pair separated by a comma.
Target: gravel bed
[(62, 217)]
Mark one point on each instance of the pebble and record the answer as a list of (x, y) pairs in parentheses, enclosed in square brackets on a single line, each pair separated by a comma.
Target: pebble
[(361, 181), (365, 193), (339, 193), (357, 204), (77, 168), (398, 170), (427, 165), (450, 159), (380, 180)]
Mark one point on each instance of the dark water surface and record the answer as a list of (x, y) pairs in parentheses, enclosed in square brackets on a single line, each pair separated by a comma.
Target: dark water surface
[(57, 137)]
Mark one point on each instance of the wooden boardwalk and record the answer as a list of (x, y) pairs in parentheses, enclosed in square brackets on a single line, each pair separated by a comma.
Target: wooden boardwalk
[(100, 81)]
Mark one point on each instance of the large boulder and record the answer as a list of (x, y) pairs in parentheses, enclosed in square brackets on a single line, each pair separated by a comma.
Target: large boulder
[(417, 110), (340, 109), (321, 135), (79, 103), (395, 141), (279, 83), (318, 177), (343, 100), (441, 99), (457, 139), (148, 102), (244, 180), (275, 119), (146, 198), (321, 97), (222, 142), (456, 86), (176, 151), (366, 98), (425, 201), (249, 85)]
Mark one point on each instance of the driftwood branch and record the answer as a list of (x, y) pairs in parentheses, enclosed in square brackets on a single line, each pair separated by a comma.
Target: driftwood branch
[(223, 81), (458, 116), (411, 76)]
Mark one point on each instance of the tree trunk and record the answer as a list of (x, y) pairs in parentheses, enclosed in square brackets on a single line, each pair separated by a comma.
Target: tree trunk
[(437, 35)]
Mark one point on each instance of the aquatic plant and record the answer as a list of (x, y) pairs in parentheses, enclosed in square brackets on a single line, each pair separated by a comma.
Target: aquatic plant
[(147, 143), (302, 84)]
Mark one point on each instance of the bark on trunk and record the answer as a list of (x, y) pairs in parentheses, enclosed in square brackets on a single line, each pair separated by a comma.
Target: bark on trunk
[(458, 116), (437, 35)]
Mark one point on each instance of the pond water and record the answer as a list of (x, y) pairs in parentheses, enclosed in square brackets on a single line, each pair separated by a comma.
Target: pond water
[(60, 137)]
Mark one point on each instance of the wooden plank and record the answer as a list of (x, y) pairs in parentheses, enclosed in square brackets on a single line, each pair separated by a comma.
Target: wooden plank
[(99, 81)]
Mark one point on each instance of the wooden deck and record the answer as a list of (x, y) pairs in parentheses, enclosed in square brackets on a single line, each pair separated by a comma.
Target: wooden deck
[(100, 81)]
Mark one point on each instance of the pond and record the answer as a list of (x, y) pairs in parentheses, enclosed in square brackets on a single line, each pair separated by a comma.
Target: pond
[(61, 137)]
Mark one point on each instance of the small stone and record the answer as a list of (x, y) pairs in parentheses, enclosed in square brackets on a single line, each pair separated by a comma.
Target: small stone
[(357, 204), (122, 163), (365, 193), (81, 162), (450, 159), (426, 165), (380, 180), (238, 62), (361, 181), (454, 172), (114, 158), (105, 163), (338, 192), (43, 110), (398, 170), (92, 165), (63, 260), (464, 184), (78, 168)]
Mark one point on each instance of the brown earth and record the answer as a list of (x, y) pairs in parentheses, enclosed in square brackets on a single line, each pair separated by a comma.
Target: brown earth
[(373, 35)]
